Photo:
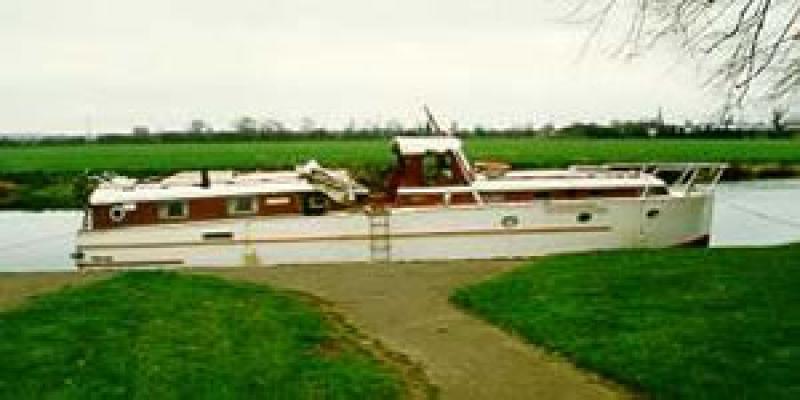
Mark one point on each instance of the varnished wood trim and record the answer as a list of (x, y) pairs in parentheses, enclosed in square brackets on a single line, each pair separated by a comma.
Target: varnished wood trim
[(406, 235)]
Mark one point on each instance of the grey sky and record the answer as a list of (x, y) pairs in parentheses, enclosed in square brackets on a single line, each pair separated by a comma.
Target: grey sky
[(163, 63)]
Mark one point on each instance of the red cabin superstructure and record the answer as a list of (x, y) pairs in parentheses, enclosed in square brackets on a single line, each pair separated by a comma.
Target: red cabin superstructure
[(428, 162), (197, 196)]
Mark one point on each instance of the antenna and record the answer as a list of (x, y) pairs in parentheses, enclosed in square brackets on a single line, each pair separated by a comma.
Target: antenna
[(432, 124)]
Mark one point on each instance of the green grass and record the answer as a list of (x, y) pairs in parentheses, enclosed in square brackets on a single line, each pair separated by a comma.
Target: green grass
[(168, 336), (676, 324), (372, 154), (44, 174)]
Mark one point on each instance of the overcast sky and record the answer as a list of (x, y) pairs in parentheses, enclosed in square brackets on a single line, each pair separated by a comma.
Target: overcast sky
[(114, 64)]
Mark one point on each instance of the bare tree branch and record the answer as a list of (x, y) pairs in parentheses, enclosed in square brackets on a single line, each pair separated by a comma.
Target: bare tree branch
[(750, 44)]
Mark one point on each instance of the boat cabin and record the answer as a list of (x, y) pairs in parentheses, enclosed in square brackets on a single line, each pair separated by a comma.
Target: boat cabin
[(429, 172), (434, 172), (205, 195), (428, 161)]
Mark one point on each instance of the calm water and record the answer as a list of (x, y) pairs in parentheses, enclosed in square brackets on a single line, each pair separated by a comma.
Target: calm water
[(34, 241), (746, 213), (757, 213)]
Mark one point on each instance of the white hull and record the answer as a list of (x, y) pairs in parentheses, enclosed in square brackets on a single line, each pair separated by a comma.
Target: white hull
[(468, 232)]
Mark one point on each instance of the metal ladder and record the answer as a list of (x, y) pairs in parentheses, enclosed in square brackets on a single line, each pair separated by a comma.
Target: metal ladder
[(380, 240)]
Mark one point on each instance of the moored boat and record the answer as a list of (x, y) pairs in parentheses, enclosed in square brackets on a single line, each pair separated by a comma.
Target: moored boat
[(435, 205)]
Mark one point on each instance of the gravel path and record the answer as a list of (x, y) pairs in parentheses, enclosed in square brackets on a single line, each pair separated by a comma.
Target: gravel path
[(405, 306)]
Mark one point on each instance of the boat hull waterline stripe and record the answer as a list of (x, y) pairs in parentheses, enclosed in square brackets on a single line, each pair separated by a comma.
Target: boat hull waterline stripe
[(301, 239), (140, 263)]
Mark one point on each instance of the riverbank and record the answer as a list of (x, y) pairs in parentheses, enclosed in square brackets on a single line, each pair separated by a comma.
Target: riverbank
[(405, 308), (41, 177), (168, 335), (675, 323)]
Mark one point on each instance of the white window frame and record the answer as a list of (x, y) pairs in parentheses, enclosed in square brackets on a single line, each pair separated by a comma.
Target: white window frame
[(232, 203), (163, 210), (494, 197), (277, 201)]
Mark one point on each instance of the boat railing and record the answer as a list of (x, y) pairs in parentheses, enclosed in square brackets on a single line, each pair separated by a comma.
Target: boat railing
[(680, 177)]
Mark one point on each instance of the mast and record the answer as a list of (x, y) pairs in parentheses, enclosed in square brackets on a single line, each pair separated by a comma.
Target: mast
[(433, 125)]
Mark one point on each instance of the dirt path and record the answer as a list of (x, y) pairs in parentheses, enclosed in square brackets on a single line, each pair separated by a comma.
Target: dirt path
[(405, 306), (15, 288)]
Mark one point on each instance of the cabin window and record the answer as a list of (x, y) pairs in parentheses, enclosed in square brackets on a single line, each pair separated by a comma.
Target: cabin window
[(277, 201), (568, 194), (437, 169), (242, 205), (421, 199), (430, 171), (173, 210), (509, 221), (543, 195), (494, 197), (518, 197), (462, 198), (657, 191), (103, 260), (444, 164), (317, 202)]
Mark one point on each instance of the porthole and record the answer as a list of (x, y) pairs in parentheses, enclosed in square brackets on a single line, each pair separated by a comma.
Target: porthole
[(117, 213), (653, 213), (584, 217), (509, 221)]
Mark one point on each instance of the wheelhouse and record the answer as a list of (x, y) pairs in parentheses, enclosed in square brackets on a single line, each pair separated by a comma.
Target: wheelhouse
[(433, 171)]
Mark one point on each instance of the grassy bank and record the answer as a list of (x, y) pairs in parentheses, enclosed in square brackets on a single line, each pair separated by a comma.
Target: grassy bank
[(697, 323), (163, 335), (366, 153), (41, 176)]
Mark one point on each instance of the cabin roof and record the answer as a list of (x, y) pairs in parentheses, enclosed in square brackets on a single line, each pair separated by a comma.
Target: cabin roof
[(557, 183), (155, 192), (188, 185), (411, 145), (567, 183)]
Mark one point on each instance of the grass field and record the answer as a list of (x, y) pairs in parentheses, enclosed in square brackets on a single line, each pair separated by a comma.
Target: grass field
[(43, 176), (676, 324), (169, 336), (376, 154)]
